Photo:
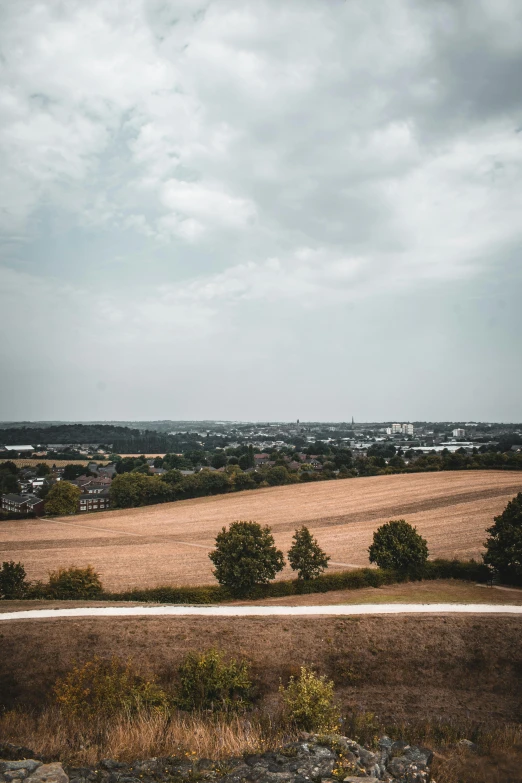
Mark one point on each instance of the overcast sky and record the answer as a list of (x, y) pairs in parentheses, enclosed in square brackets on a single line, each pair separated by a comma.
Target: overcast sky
[(261, 209)]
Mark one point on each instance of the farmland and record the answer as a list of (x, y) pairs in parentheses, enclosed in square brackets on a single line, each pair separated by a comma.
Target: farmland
[(169, 543)]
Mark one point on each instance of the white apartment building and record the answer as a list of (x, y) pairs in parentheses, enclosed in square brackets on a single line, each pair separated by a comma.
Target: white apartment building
[(458, 432), (400, 429)]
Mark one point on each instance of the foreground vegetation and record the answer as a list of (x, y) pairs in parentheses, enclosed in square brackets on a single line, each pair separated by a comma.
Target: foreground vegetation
[(105, 709)]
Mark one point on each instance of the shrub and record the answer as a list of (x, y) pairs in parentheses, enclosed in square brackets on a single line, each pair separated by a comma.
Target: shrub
[(107, 687), (74, 582), (397, 545), (306, 556), (245, 556), (309, 703), (208, 682), (504, 544), (12, 580)]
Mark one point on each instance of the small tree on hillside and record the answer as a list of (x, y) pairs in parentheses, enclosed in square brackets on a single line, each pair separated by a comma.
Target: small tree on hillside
[(504, 544), (62, 499), (12, 580), (306, 556), (245, 556), (397, 545)]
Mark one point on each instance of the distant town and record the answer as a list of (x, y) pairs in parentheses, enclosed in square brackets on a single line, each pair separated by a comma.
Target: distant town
[(169, 460)]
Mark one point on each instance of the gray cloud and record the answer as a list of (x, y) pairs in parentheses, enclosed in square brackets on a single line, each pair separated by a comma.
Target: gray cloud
[(261, 210)]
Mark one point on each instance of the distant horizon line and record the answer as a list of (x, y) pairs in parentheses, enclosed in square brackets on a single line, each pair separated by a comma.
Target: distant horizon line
[(50, 422)]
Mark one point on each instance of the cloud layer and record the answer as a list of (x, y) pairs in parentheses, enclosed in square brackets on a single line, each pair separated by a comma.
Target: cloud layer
[(196, 201)]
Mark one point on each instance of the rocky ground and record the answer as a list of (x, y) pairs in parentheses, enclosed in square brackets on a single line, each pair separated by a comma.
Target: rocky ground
[(315, 759)]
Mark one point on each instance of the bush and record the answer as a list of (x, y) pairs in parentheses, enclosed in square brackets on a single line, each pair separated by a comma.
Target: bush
[(309, 702), (504, 543), (12, 580), (107, 687), (245, 556), (306, 556), (74, 582), (397, 545), (208, 682)]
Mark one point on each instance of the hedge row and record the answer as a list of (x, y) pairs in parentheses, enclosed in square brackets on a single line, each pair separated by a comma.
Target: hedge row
[(470, 571)]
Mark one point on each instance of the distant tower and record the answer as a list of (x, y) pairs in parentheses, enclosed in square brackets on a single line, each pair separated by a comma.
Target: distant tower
[(298, 421), (352, 421)]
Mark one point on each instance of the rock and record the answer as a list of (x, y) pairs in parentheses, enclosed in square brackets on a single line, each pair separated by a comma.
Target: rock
[(111, 764), (466, 743), (365, 779), (12, 752), (26, 766), (48, 773)]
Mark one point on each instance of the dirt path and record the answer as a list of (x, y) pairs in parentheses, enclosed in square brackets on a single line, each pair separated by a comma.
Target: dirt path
[(260, 611)]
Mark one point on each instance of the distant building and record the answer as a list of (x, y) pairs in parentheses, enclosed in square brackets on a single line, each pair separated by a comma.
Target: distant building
[(400, 429), (22, 504), (19, 448), (94, 502), (458, 432)]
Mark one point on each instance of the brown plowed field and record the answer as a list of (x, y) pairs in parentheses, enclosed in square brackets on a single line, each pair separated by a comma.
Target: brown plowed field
[(169, 543)]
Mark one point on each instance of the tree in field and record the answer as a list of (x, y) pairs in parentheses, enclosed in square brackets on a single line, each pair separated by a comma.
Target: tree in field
[(245, 556), (62, 499), (504, 543), (397, 545), (306, 556), (12, 580)]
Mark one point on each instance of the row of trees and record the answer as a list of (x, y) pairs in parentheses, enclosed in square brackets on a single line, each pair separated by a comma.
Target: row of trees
[(246, 555)]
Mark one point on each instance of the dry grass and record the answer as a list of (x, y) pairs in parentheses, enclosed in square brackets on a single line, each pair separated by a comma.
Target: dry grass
[(195, 736), (169, 543), (51, 736), (139, 737), (398, 667)]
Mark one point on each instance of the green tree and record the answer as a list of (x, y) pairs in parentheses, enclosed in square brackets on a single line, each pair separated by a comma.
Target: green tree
[(62, 499), (277, 476), (9, 467), (244, 481), (136, 489), (72, 471), (244, 462), (219, 460), (245, 556), (8, 483), (306, 556), (43, 470), (504, 543), (12, 580), (397, 545)]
